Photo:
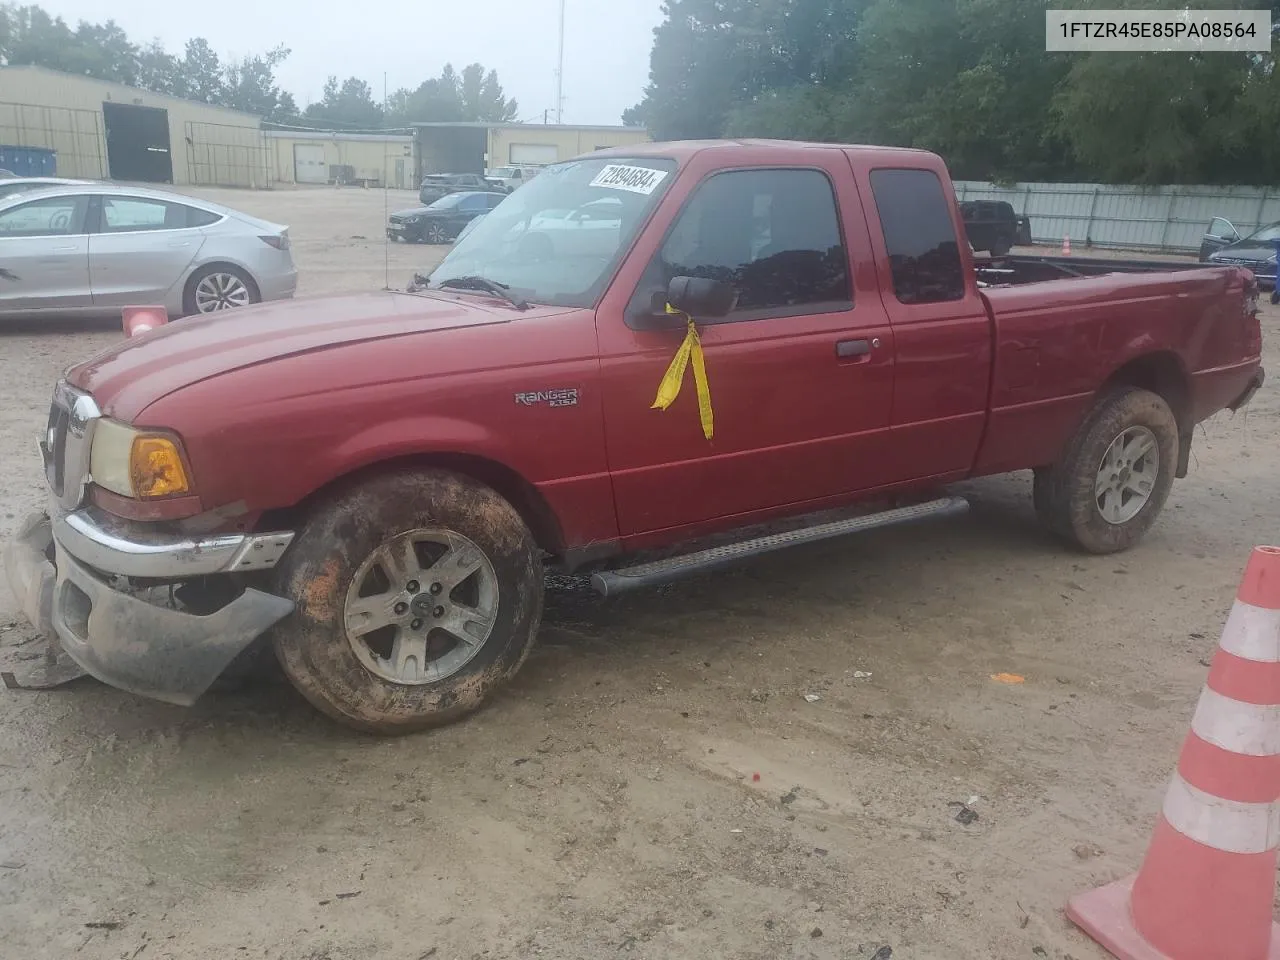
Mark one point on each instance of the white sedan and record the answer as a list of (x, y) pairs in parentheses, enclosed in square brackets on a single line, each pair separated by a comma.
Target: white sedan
[(90, 249)]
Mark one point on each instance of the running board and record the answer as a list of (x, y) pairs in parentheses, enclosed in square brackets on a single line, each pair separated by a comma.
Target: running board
[(612, 582)]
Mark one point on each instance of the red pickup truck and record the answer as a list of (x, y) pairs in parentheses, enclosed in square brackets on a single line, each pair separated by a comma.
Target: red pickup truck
[(380, 481)]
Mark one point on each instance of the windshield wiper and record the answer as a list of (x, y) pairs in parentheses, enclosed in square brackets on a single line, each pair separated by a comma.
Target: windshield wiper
[(485, 285)]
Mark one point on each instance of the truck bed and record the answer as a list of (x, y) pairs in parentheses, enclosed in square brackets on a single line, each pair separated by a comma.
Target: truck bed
[(1015, 270)]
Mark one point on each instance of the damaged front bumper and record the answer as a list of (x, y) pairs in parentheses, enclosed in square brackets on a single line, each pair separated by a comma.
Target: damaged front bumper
[(74, 577)]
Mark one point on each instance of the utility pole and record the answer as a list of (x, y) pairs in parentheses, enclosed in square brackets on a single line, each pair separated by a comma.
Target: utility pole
[(560, 71)]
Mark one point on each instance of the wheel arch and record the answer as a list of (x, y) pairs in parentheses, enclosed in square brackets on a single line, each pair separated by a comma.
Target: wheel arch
[(188, 284), (1164, 374), (506, 482)]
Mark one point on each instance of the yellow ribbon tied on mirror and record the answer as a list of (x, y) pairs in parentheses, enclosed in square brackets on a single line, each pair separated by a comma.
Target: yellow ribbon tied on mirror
[(672, 380)]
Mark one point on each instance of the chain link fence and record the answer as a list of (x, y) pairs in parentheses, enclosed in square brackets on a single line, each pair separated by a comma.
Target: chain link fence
[(75, 135), (226, 155)]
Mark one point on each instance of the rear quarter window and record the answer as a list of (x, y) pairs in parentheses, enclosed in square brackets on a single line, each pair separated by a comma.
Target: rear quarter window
[(201, 218), (918, 236)]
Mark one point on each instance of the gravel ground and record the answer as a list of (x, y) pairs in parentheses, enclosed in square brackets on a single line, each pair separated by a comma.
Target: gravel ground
[(655, 783)]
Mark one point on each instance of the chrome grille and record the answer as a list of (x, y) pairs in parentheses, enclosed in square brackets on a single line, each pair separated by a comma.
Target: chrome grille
[(66, 443)]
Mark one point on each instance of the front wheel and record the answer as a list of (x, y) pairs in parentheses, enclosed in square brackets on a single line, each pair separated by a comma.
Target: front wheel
[(418, 596), (1115, 474), (436, 233)]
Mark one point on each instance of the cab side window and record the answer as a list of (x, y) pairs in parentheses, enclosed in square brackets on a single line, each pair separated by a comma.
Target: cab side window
[(919, 236), (774, 235)]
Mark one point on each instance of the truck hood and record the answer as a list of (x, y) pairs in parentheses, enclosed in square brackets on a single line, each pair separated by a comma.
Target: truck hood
[(134, 373)]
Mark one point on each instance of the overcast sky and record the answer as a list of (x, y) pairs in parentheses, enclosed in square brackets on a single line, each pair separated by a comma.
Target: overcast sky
[(607, 42)]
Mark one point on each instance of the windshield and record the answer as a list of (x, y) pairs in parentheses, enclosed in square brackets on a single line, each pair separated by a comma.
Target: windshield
[(503, 172), (558, 238), (1270, 232)]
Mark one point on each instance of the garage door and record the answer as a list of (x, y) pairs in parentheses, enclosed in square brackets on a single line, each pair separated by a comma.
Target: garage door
[(308, 163), (534, 153)]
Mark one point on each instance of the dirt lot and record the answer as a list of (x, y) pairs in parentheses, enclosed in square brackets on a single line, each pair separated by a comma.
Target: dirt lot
[(655, 783)]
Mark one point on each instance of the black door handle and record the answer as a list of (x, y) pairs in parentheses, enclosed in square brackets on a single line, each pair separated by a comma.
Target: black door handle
[(853, 348)]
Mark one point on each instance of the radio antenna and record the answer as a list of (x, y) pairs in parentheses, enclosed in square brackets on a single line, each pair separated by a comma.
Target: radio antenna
[(560, 71), (386, 194)]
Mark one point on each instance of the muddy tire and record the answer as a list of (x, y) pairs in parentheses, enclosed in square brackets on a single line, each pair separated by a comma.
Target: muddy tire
[(419, 595), (1115, 474)]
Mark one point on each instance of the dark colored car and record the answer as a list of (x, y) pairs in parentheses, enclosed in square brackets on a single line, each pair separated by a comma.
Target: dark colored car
[(443, 220), (437, 185), (992, 225), (1223, 244)]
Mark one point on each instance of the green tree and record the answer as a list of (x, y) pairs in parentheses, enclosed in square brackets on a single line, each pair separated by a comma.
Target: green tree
[(30, 36), (202, 75), (250, 85), (350, 105), (473, 95)]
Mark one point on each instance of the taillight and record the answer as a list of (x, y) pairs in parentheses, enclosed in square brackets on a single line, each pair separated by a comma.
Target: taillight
[(279, 241)]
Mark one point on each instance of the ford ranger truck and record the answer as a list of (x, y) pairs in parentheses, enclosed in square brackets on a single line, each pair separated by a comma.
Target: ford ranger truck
[(378, 482)]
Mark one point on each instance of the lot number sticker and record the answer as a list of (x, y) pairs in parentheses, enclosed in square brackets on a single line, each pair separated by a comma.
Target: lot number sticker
[(617, 176)]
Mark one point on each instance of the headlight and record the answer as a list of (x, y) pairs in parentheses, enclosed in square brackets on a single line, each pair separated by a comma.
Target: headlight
[(133, 463)]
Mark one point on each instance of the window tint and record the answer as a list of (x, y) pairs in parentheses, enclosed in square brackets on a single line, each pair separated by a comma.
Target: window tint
[(773, 234), (201, 218), (918, 235), (473, 202), (49, 217), (120, 214), (494, 200)]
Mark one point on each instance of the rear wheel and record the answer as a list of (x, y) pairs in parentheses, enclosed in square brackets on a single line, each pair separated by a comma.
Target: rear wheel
[(418, 597), (1115, 475), (219, 287)]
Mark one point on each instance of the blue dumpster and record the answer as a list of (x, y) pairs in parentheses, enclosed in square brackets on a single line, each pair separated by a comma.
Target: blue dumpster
[(29, 161)]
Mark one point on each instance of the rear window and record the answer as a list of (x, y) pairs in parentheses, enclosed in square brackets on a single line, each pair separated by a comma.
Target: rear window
[(919, 236)]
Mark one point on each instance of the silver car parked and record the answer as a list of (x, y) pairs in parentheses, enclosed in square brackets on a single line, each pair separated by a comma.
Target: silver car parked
[(91, 249)]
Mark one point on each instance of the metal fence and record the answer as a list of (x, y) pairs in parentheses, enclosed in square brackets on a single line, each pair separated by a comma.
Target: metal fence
[(75, 136), (225, 155), (1171, 218)]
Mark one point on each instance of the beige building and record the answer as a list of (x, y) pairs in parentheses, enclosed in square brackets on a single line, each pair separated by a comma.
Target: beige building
[(475, 147), (375, 160), (104, 130), (107, 130)]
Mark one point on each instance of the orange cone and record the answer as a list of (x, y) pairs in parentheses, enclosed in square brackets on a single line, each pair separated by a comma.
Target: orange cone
[(1066, 245), (138, 320), (1206, 886)]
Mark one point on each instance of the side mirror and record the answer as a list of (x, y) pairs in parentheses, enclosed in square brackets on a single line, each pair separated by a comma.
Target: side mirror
[(700, 297)]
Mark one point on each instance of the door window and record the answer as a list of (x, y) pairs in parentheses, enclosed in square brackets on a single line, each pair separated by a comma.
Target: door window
[(48, 217), (919, 236), (1222, 229), (129, 214), (475, 203), (774, 235)]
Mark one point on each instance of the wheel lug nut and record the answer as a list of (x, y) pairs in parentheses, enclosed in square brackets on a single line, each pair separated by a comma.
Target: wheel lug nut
[(401, 607), (413, 586), (417, 624), (438, 612), (436, 588)]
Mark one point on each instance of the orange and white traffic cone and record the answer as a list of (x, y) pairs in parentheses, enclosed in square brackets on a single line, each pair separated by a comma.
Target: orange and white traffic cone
[(1206, 886), (1066, 245)]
